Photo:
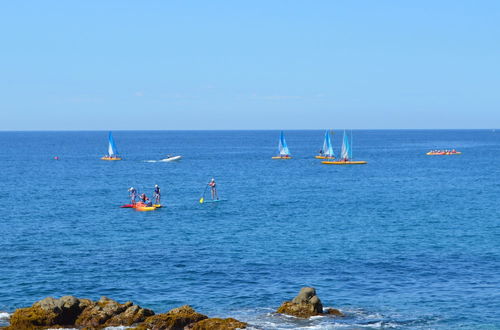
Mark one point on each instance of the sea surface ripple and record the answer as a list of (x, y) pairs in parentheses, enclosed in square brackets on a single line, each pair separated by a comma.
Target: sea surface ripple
[(406, 241)]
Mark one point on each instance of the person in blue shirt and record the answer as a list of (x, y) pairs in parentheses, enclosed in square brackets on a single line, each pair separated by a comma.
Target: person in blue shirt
[(157, 194), (133, 194)]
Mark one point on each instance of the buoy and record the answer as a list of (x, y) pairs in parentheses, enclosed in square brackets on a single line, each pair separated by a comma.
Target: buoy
[(56, 158)]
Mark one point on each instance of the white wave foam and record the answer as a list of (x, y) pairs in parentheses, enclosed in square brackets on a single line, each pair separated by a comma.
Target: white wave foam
[(4, 316)]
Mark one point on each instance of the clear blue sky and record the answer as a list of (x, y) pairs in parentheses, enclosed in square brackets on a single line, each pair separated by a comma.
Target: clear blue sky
[(249, 64)]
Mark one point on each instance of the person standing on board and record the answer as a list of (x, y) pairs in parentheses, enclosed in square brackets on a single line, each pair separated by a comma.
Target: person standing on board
[(133, 194), (213, 189), (157, 194)]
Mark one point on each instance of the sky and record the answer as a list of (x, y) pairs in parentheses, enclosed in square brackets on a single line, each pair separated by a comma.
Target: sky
[(162, 65)]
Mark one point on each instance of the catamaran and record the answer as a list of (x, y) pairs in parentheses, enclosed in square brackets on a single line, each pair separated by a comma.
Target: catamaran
[(283, 148), (345, 155), (112, 151), (326, 151)]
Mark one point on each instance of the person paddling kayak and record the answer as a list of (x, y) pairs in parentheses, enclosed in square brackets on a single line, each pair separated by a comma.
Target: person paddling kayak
[(213, 189), (144, 199), (157, 194)]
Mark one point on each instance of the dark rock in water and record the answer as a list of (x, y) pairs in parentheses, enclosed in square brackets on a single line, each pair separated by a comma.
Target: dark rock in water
[(132, 315), (305, 305), (107, 312), (48, 312), (219, 324), (334, 312), (70, 311), (175, 319), (31, 318)]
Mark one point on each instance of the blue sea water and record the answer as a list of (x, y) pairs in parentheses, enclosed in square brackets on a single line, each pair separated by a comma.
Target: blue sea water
[(406, 241)]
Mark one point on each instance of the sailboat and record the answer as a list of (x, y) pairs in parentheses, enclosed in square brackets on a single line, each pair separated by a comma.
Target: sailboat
[(283, 148), (112, 151), (345, 155), (326, 151)]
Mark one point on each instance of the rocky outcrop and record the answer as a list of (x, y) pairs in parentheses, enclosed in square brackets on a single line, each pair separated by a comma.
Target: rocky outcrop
[(219, 324), (107, 312), (176, 319), (71, 311), (305, 305)]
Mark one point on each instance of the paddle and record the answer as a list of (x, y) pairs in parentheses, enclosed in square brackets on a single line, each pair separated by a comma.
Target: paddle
[(202, 199)]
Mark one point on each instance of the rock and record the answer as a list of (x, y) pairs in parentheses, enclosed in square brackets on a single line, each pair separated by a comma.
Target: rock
[(305, 305), (107, 312), (334, 312), (67, 308), (175, 319), (48, 312), (32, 318), (72, 312), (132, 315), (219, 324)]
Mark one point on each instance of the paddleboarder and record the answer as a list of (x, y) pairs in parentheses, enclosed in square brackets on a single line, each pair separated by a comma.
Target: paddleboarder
[(133, 194), (213, 189), (157, 194)]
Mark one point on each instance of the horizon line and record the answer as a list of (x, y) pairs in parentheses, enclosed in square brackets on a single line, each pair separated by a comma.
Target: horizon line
[(248, 129)]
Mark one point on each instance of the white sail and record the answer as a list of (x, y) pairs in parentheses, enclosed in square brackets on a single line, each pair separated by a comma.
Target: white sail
[(111, 152), (345, 152), (283, 148)]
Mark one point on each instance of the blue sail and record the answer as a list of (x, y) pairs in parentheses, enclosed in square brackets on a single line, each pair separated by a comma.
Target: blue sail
[(346, 152), (327, 146), (112, 150), (283, 148)]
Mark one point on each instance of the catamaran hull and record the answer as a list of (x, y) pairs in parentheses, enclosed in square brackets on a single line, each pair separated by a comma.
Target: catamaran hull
[(284, 157), (324, 157), (111, 158), (359, 162)]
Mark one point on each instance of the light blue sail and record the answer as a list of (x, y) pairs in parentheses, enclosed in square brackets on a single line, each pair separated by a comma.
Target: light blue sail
[(112, 150), (327, 146), (283, 148), (346, 152)]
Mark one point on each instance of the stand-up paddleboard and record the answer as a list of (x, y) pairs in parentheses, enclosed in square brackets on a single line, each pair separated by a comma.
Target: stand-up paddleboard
[(145, 208), (214, 200), (141, 206)]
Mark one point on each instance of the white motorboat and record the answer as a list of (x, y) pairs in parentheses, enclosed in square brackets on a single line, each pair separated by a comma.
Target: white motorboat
[(171, 158)]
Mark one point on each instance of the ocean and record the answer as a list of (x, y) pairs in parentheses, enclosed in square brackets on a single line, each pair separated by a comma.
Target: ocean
[(406, 241)]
